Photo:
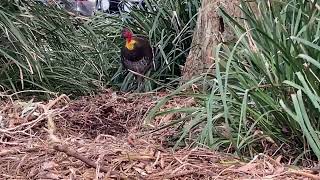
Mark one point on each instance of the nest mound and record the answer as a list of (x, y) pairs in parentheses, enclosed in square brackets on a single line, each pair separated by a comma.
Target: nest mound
[(97, 137), (111, 113)]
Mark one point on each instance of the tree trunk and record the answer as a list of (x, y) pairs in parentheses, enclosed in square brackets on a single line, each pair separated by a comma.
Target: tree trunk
[(209, 32)]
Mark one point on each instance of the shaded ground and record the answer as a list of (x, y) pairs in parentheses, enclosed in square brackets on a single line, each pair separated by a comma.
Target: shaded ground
[(99, 138)]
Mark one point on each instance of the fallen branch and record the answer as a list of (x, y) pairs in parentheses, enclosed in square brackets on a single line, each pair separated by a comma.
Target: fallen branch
[(75, 154)]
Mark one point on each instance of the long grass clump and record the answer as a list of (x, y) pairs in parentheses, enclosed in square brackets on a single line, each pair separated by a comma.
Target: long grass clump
[(47, 48), (264, 96)]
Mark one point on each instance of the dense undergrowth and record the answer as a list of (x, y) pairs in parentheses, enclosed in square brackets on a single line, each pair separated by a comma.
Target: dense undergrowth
[(265, 94), (48, 49)]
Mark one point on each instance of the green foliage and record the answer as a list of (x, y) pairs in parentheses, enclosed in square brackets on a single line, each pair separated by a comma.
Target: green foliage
[(266, 85), (46, 48)]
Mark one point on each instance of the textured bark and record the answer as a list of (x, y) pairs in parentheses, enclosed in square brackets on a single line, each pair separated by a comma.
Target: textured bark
[(209, 32)]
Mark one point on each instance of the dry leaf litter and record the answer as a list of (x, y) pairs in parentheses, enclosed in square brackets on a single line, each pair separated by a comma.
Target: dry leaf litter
[(98, 137)]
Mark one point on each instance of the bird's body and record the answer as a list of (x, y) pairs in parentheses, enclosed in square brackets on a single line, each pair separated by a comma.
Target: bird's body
[(136, 54)]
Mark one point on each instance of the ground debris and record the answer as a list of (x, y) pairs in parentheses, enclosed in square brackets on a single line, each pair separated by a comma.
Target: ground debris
[(106, 113), (98, 140)]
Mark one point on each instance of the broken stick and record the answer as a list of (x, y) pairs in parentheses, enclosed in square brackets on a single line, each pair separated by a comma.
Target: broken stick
[(75, 154)]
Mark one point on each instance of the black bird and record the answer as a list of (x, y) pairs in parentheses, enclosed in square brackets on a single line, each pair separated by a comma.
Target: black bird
[(136, 54)]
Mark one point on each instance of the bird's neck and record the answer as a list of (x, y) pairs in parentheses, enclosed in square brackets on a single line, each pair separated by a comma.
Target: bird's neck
[(130, 43)]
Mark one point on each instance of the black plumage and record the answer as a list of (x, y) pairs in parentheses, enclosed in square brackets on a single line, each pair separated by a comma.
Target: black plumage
[(136, 53)]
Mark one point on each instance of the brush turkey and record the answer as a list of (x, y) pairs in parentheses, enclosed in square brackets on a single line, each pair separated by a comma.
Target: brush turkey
[(136, 53)]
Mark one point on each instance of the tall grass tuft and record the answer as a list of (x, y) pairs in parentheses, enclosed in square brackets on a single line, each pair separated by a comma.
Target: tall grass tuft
[(47, 48), (265, 93)]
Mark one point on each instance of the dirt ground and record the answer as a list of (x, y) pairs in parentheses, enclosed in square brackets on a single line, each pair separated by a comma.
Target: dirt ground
[(99, 137)]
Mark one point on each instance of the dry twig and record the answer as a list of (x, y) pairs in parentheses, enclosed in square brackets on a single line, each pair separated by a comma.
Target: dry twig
[(75, 154)]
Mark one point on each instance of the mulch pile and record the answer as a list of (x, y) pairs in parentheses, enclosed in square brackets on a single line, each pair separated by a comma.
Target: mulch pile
[(98, 137)]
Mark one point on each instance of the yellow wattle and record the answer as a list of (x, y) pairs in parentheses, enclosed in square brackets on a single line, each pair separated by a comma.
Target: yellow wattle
[(130, 44)]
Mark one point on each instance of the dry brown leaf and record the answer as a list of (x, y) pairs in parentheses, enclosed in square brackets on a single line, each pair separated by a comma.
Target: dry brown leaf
[(33, 172), (89, 174), (270, 169), (166, 118), (51, 176), (49, 165), (140, 165), (278, 160), (248, 167), (72, 174), (149, 169), (140, 171)]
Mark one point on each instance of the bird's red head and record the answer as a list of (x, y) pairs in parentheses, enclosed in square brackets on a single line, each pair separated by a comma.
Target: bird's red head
[(126, 34)]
